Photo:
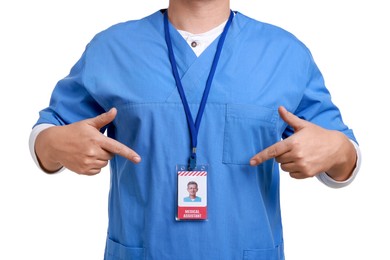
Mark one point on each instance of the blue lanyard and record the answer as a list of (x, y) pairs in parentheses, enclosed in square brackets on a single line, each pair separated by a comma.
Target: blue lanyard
[(194, 127)]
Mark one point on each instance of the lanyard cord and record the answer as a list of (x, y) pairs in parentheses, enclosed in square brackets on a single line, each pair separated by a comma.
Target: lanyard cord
[(194, 128)]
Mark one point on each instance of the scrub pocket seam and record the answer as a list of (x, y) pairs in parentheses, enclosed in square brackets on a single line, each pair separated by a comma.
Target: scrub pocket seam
[(248, 130)]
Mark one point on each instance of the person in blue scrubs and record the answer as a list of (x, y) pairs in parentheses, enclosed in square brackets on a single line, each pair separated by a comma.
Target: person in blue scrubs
[(266, 106), (192, 188)]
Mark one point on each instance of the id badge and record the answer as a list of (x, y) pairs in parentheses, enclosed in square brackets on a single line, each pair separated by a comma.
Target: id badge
[(191, 193)]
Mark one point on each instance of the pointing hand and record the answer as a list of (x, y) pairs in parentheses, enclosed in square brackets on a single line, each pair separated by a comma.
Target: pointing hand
[(309, 151), (81, 147)]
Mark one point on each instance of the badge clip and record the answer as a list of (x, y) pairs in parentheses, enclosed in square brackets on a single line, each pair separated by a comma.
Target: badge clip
[(192, 160)]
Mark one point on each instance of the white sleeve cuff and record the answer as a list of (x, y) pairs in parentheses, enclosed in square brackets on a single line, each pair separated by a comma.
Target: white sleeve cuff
[(328, 181), (33, 136)]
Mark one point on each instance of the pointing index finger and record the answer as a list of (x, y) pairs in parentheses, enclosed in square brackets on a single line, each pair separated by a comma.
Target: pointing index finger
[(270, 152), (115, 147)]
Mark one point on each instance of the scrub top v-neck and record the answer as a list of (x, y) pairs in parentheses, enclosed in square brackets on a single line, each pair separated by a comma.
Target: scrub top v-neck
[(262, 67)]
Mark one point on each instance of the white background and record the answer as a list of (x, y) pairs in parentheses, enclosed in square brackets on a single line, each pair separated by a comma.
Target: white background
[(65, 216)]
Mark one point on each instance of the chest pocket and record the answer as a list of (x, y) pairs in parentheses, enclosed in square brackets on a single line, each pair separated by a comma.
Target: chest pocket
[(248, 130)]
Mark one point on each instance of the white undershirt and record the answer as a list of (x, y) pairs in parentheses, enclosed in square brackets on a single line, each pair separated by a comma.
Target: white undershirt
[(198, 43)]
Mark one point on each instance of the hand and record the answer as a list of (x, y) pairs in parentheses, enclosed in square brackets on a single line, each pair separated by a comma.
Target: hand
[(80, 147), (310, 151)]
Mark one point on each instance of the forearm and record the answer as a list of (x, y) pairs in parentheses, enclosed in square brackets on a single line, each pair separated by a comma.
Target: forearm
[(44, 152), (35, 132), (344, 161), (328, 181)]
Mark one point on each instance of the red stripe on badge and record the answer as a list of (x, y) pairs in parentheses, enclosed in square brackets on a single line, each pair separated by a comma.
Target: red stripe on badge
[(192, 173)]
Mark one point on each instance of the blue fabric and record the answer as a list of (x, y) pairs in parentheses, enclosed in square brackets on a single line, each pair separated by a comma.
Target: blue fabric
[(194, 127), (261, 67)]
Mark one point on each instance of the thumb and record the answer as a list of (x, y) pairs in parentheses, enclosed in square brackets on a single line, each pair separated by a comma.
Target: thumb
[(102, 119), (291, 119)]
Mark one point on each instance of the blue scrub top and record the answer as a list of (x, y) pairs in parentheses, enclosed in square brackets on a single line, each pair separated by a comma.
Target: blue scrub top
[(261, 67)]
